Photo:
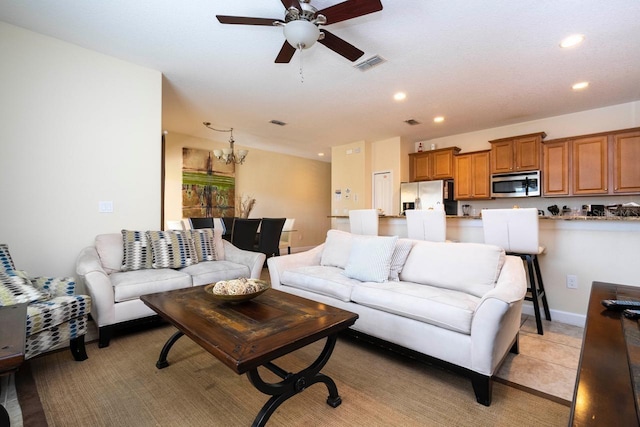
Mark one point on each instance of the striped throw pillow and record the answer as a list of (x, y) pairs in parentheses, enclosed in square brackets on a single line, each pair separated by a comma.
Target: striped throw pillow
[(370, 258)]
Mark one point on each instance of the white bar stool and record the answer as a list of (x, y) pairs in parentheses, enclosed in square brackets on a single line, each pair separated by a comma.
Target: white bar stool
[(516, 230), (430, 225), (364, 221)]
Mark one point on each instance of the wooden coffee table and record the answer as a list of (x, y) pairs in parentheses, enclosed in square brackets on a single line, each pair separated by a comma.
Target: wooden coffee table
[(245, 336)]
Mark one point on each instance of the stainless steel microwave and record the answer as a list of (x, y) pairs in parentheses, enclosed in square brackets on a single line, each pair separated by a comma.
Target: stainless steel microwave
[(519, 184)]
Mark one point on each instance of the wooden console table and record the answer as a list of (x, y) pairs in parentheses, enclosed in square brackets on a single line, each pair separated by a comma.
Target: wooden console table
[(13, 326), (605, 390)]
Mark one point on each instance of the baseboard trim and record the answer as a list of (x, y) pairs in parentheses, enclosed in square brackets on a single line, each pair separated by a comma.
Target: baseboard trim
[(559, 316)]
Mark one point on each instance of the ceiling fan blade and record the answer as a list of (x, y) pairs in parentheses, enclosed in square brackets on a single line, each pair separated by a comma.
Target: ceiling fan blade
[(340, 46), (291, 3), (243, 20), (350, 9), (286, 53)]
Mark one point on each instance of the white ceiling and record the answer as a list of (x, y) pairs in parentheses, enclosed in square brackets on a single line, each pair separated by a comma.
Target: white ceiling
[(481, 64)]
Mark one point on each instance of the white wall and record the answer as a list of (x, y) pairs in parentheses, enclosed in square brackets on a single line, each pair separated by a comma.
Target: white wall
[(77, 127)]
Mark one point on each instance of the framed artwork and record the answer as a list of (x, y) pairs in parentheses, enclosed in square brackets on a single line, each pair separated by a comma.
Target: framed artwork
[(208, 186)]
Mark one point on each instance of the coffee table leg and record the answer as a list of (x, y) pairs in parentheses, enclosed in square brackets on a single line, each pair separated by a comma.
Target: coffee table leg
[(162, 360), (293, 384)]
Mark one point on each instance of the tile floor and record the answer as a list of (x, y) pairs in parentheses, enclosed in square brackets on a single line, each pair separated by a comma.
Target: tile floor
[(546, 366)]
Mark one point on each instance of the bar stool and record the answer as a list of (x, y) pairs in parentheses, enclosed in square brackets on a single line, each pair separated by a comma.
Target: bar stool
[(516, 230), (363, 221), (430, 225)]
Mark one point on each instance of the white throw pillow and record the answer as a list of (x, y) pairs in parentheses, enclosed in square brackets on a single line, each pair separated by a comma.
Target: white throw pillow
[(370, 258), (336, 249), (400, 254)]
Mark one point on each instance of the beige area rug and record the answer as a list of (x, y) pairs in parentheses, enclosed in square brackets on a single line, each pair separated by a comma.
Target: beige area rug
[(120, 386)]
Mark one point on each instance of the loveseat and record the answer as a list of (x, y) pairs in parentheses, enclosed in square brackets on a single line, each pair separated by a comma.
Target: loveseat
[(455, 303), (121, 267)]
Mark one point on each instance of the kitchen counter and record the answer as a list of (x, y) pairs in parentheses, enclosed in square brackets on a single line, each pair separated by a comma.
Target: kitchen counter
[(544, 217)]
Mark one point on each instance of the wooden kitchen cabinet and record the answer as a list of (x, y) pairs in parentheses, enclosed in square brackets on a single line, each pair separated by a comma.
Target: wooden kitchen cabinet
[(626, 162), (597, 164), (432, 165), (516, 154), (472, 177), (555, 168), (590, 165)]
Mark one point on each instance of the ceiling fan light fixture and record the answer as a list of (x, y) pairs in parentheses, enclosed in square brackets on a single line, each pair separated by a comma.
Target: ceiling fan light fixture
[(301, 34)]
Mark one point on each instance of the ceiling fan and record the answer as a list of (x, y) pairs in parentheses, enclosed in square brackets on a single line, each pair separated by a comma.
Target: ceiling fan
[(302, 22)]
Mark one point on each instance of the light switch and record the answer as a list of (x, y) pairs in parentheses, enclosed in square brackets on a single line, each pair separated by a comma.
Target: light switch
[(105, 206)]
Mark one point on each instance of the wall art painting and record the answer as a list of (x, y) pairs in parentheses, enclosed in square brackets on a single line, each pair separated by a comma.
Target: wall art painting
[(208, 186)]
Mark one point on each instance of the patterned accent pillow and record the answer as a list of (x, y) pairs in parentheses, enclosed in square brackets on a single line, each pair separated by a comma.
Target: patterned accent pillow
[(6, 263), (204, 241), (400, 254), (370, 258), (137, 252), (15, 289), (172, 249)]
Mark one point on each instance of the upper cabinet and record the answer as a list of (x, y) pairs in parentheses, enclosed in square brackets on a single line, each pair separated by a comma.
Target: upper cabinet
[(626, 162), (516, 154), (432, 165), (598, 164), (472, 178)]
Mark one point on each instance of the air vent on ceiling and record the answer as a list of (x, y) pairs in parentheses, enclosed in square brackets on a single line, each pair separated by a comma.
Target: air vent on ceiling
[(368, 64), (412, 122), (277, 122)]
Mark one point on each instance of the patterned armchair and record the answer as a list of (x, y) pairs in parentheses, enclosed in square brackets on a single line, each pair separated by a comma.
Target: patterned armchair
[(54, 313)]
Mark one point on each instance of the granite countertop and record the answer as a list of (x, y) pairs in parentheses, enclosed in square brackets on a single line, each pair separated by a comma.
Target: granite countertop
[(544, 217)]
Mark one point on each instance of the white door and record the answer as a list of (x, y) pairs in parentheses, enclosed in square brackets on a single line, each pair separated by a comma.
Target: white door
[(383, 192)]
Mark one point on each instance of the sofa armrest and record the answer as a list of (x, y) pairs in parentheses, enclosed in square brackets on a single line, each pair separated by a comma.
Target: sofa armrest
[(98, 284), (496, 321), (55, 286), (277, 265), (253, 260)]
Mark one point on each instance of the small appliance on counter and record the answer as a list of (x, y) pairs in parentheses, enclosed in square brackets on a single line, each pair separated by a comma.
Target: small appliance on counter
[(428, 195), (593, 210)]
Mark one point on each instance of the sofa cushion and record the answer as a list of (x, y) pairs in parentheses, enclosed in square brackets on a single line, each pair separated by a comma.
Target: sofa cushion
[(15, 288), (208, 243), (370, 258), (444, 308), (6, 263), (399, 257), (136, 250), (467, 267), (207, 272), (111, 251), (131, 284), (43, 315), (324, 280), (336, 249), (172, 249)]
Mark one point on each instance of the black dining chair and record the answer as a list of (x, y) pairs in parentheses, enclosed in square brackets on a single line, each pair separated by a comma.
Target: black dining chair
[(228, 225), (201, 223), (244, 233), (269, 240)]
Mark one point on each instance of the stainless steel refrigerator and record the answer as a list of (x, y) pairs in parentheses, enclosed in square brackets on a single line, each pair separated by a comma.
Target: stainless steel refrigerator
[(428, 195)]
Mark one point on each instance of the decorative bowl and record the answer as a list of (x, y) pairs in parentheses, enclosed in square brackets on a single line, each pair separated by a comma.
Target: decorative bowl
[(261, 285)]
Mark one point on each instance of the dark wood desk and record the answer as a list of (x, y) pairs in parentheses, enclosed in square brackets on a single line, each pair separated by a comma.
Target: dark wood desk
[(604, 393), (249, 335)]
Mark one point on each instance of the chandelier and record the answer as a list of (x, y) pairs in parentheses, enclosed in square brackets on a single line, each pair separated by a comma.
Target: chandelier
[(228, 155)]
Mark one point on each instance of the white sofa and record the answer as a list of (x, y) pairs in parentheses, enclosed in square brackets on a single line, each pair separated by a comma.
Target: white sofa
[(115, 289), (459, 303)]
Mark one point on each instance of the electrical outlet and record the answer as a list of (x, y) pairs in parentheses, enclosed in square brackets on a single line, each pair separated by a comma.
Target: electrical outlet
[(572, 281)]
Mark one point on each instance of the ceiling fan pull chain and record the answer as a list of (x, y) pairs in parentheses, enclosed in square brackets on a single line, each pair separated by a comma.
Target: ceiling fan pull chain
[(301, 74)]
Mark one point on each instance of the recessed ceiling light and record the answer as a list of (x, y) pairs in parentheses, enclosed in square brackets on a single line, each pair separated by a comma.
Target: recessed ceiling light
[(572, 40), (320, 154), (438, 119), (579, 86), (400, 96)]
